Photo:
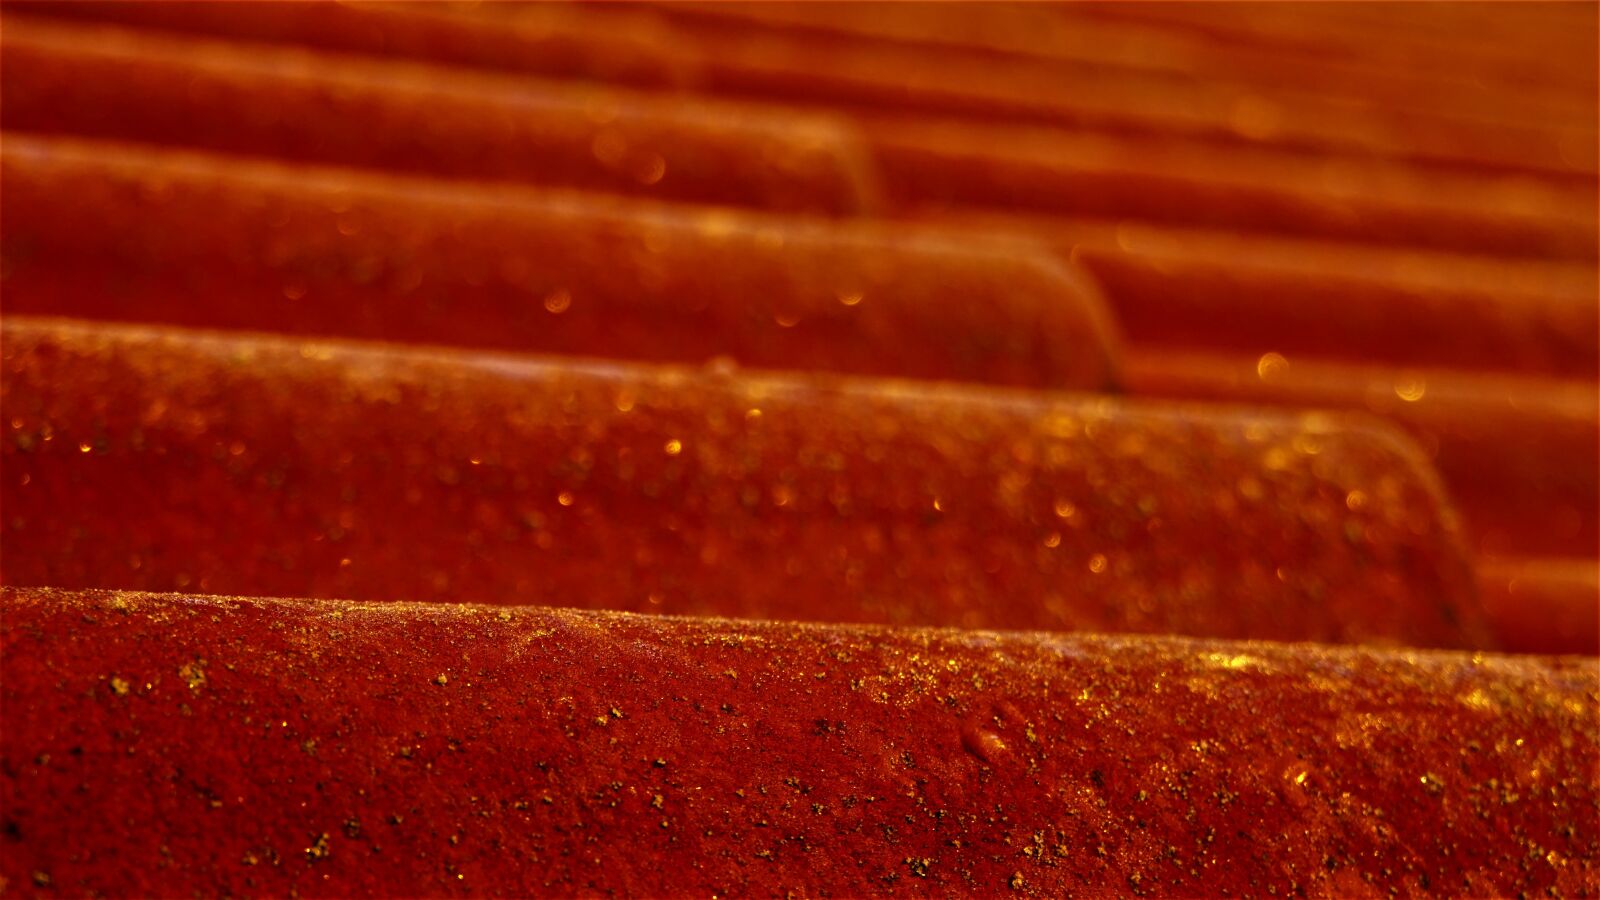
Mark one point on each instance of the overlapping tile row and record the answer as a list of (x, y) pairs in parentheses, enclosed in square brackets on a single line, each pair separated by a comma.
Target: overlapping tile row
[(938, 165), (732, 49), (123, 232), (1187, 289), (1312, 218), (263, 100), (165, 460), (625, 45), (1092, 36), (1517, 453), (1543, 604), (1544, 50), (292, 746), (854, 72), (352, 109), (1498, 313)]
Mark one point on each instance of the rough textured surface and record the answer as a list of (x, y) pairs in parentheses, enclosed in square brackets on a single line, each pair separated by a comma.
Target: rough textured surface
[(167, 745), (143, 459), (122, 232), (1517, 453), (264, 100)]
